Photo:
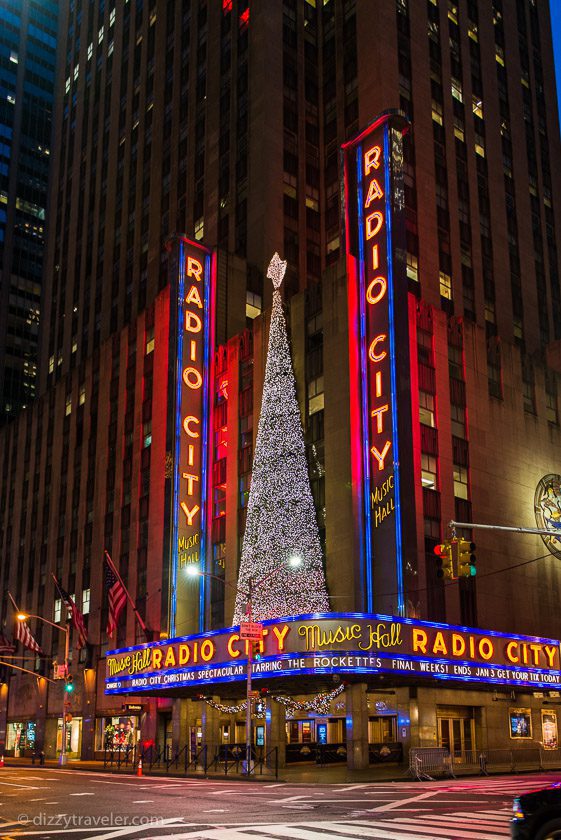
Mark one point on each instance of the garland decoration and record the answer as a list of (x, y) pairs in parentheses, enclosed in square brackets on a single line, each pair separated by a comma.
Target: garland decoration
[(319, 704)]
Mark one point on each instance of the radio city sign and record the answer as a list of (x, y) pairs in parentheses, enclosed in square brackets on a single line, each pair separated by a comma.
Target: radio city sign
[(347, 643), (192, 346), (379, 374)]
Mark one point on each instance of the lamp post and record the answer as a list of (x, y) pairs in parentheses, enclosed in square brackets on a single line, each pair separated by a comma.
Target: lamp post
[(294, 561), (66, 630)]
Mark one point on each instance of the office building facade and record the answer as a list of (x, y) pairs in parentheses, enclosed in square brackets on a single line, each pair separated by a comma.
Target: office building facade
[(28, 60), (231, 123)]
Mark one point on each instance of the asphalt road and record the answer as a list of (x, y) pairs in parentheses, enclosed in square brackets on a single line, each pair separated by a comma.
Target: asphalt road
[(78, 805)]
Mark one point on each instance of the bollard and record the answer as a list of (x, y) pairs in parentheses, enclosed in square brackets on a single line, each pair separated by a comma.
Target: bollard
[(139, 768), (42, 758)]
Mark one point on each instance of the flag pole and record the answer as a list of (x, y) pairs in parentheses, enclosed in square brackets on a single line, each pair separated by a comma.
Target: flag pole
[(15, 606), (130, 600)]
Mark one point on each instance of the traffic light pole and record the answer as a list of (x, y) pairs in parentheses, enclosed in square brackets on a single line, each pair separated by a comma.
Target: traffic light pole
[(519, 530), (62, 758)]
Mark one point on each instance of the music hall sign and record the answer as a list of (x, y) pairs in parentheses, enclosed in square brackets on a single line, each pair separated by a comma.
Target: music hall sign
[(338, 643)]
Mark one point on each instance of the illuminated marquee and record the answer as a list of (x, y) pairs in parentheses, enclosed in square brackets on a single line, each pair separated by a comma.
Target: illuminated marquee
[(194, 344), (377, 301), (345, 643)]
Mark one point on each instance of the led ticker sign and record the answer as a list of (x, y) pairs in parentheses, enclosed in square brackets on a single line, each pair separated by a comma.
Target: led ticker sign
[(340, 644), (194, 343), (379, 373)]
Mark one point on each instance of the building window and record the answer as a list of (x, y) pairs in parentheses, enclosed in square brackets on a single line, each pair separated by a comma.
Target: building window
[(85, 601), (445, 285), (461, 486), (58, 610), (149, 340), (458, 419), (315, 395), (253, 305), (68, 409), (426, 409), (146, 434), (429, 474), (412, 267)]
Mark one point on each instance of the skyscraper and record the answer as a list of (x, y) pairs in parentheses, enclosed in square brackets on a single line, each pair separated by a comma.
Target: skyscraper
[(225, 122), (28, 63)]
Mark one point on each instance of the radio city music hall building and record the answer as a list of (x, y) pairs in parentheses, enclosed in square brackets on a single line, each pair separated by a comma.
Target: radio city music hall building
[(422, 303)]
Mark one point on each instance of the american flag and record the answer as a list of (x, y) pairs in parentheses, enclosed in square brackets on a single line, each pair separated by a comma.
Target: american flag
[(116, 597), (5, 645), (76, 616), (23, 635)]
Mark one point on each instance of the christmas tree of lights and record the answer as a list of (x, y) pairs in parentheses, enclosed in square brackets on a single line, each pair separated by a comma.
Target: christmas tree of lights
[(281, 520)]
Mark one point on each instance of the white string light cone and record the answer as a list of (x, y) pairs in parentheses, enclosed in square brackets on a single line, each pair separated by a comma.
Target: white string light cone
[(281, 519)]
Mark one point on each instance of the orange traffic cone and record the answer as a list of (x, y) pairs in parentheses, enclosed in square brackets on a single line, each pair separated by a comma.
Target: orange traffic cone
[(138, 769), (1, 760)]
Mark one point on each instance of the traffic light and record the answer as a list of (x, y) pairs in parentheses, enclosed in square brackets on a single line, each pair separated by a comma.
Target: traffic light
[(69, 687), (466, 559), (256, 651), (444, 560)]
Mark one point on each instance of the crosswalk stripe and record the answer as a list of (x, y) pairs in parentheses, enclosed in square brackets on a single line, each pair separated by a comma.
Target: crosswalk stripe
[(474, 821), (404, 822), (486, 815), (269, 832)]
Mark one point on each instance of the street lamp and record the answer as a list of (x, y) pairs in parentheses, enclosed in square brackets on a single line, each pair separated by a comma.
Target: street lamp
[(293, 561), (66, 630)]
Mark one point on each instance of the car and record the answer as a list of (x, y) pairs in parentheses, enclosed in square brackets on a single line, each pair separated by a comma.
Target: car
[(537, 815)]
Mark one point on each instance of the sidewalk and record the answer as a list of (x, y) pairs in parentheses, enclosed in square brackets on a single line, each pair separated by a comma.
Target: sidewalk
[(294, 774)]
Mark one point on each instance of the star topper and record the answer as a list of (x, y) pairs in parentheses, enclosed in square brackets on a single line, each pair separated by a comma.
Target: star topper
[(276, 270)]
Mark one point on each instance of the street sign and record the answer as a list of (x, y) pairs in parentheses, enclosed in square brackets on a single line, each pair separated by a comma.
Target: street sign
[(59, 672), (253, 694), (252, 630)]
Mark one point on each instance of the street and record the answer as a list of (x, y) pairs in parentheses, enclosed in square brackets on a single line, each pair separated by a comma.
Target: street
[(47, 803)]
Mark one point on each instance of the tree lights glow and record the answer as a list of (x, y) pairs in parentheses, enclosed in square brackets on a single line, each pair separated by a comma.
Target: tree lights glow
[(281, 520)]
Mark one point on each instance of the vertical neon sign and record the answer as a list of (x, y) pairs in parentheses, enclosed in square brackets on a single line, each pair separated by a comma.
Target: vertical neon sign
[(377, 296), (189, 514)]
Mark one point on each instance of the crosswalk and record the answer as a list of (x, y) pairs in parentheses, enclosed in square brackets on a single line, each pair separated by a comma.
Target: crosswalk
[(484, 825), (492, 824)]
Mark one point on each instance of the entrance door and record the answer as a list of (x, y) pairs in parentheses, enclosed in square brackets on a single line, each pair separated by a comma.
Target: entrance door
[(456, 735)]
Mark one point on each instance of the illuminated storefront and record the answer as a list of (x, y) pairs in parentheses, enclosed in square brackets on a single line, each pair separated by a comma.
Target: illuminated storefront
[(349, 645), (373, 657)]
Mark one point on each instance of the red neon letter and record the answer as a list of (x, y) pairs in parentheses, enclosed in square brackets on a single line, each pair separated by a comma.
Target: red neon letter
[(377, 357), (377, 413), (190, 479), (377, 281), (373, 224), (374, 191), (192, 378), (192, 322), (372, 159), (193, 296), (381, 456), (194, 268), (186, 424), (190, 514)]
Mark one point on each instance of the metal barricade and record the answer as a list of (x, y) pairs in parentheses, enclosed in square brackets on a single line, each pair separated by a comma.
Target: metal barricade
[(424, 761)]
